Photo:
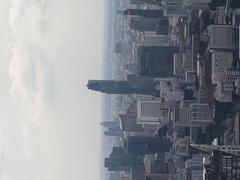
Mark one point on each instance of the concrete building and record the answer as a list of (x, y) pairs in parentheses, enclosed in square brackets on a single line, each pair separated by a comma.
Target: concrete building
[(197, 4), (200, 115), (178, 64), (174, 8), (201, 70), (194, 167), (196, 115), (226, 32), (170, 88), (188, 60), (154, 112), (182, 117), (182, 146), (221, 61), (201, 95), (224, 91), (153, 39)]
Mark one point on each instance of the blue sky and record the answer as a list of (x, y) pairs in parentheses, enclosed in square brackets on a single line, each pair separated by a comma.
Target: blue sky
[(49, 125)]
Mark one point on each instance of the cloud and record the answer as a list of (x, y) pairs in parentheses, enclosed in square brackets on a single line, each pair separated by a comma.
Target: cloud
[(53, 53), (32, 87), (30, 71)]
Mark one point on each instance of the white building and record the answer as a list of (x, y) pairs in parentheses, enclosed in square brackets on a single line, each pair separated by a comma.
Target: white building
[(154, 112), (226, 32), (221, 60), (224, 91)]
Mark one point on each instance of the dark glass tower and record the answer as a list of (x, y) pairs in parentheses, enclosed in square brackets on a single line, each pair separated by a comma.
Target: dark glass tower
[(140, 86), (159, 2), (118, 160), (136, 145), (144, 13)]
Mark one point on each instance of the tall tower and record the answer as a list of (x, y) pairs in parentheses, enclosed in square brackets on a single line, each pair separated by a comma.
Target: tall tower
[(148, 13), (140, 86), (138, 145), (110, 124), (159, 2), (139, 23)]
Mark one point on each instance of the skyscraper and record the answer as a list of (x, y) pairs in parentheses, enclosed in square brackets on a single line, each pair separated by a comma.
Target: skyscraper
[(156, 61), (113, 133), (159, 2), (148, 13), (139, 86), (110, 124), (118, 160), (139, 23), (137, 145)]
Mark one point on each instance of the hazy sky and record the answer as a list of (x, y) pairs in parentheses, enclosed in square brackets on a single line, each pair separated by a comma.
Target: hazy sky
[(49, 125)]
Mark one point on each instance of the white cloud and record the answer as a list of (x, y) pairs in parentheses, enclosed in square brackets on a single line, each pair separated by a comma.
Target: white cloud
[(53, 54)]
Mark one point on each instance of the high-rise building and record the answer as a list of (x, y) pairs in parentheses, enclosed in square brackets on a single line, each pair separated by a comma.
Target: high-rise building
[(138, 145), (223, 163), (142, 24), (138, 86), (197, 4), (174, 8), (156, 61), (110, 124), (113, 133), (153, 39), (148, 13), (194, 167), (226, 32), (159, 2), (154, 112), (118, 160)]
